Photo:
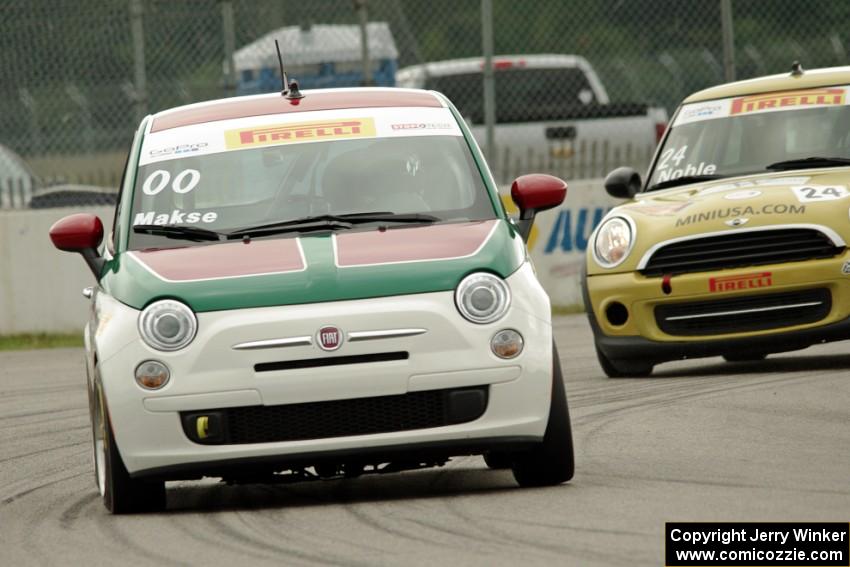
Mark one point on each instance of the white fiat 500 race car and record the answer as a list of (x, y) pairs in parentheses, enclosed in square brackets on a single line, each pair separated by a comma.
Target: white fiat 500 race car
[(316, 287)]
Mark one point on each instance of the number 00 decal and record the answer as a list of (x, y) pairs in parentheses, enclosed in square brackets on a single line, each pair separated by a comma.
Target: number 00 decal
[(184, 182)]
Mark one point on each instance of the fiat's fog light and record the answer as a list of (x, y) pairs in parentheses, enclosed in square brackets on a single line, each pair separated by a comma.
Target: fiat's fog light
[(152, 375), (506, 344)]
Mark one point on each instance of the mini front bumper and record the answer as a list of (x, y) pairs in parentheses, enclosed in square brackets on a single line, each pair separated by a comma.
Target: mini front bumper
[(453, 353), (641, 337)]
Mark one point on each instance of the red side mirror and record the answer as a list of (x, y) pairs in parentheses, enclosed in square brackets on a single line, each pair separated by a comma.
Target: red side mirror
[(76, 233), (537, 192), (81, 233)]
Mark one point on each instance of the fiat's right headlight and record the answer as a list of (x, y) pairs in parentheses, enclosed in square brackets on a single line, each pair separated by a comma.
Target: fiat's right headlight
[(167, 325), (613, 242), (482, 297)]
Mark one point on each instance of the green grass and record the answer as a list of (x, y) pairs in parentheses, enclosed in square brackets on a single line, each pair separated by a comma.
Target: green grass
[(27, 341)]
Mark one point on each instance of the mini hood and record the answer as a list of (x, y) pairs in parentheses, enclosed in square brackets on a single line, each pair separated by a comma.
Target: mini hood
[(290, 270), (812, 197)]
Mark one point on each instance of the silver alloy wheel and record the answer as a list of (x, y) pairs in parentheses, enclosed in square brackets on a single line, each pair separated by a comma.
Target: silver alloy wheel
[(100, 443)]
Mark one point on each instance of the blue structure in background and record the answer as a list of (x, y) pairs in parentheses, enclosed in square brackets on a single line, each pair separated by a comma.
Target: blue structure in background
[(319, 56)]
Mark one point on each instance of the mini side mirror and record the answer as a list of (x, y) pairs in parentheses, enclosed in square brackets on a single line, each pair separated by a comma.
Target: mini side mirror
[(81, 233), (534, 193), (623, 183)]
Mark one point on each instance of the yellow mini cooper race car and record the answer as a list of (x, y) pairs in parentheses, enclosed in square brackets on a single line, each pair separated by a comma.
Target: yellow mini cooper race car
[(735, 244)]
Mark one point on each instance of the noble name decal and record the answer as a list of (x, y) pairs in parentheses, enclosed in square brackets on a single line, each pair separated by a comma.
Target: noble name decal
[(776, 101), (299, 132), (745, 281)]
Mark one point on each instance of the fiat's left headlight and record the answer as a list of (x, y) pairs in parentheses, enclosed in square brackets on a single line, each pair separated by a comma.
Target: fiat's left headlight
[(613, 242), (482, 297), (167, 325)]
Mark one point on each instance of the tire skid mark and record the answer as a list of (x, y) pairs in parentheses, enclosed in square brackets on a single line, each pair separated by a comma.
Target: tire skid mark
[(534, 544), (40, 451), (27, 492), (112, 527), (499, 537), (72, 513)]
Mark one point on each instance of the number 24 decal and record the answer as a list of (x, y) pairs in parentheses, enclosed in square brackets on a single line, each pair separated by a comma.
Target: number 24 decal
[(183, 182), (809, 193)]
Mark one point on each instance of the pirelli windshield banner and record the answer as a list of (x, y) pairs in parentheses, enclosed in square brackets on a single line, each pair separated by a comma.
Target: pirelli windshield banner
[(296, 128), (763, 102), (762, 544)]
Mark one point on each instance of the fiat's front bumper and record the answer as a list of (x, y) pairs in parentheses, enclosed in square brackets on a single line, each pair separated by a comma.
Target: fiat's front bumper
[(451, 354)]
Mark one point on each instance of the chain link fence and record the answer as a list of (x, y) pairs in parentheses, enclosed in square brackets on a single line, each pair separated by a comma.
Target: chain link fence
[(80, 74)]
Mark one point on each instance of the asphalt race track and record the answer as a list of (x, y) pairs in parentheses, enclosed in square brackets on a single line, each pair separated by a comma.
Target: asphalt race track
[(703, 440)]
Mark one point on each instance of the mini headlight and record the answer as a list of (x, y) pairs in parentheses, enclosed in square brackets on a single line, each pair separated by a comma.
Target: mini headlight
[(482, 297), (167, 325), (613, 242)]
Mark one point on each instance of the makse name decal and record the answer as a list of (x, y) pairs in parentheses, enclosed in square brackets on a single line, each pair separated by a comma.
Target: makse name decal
[(299, 132), (175, 217), (746, 211), (745, 281), (812, 97)]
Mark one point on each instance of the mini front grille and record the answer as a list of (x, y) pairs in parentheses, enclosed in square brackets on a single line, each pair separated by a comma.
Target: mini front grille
[(741, 249), (337, 418), (744, 314)]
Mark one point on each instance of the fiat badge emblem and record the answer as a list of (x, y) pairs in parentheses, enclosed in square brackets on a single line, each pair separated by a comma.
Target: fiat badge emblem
[(329, 338)]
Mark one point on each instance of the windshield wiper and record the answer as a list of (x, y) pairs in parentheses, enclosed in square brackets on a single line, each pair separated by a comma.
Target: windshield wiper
[(809, 162), (332, 222), (683, 181), (360, 218), (179, 232)]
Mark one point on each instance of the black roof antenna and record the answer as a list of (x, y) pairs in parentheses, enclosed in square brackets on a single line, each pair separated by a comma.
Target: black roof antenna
[(796, 69), (290, 90)]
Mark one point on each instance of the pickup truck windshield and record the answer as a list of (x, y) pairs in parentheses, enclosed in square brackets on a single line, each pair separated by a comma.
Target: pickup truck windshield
[(522, 94), (433, 176), (755, 134)]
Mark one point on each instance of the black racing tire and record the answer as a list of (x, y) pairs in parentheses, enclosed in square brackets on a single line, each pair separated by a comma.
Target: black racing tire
[(623, 368), (552, 461), (744, 356), (498, 460), (120, 493)]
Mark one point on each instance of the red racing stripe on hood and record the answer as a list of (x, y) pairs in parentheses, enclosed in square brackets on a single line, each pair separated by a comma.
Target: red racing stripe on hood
[(420, 244), (226, 260)]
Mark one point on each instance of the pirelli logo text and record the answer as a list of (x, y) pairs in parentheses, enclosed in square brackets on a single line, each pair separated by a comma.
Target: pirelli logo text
[(745, 281), (809, 97), (273, 135)]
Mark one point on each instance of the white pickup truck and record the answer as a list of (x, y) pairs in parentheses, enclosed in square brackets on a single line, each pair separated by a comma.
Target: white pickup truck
[(551, 111)]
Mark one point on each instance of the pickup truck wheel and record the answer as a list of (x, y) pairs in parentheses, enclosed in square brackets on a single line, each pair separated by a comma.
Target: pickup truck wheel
[(623, 368), (744, 357), (121, 494), (497, 460), (552, 461)]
